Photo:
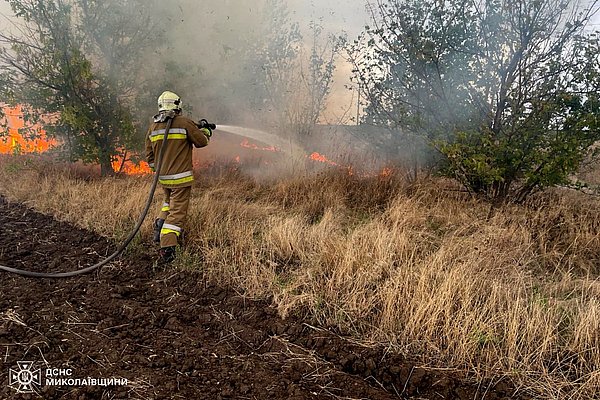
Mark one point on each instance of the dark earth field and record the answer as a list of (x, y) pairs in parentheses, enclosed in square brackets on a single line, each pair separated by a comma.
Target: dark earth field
[(174, 336)]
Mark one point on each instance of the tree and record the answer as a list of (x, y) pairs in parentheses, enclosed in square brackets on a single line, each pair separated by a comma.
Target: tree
[(505, 90), (315, 79), (290, 83), (72, 66), (275, 60)]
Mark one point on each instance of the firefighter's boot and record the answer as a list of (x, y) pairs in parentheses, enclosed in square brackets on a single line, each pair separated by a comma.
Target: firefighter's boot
[(166, 255), (158, 224)]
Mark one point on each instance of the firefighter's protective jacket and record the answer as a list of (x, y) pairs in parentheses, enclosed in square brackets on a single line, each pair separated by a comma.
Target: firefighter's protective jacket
[(177, 169)]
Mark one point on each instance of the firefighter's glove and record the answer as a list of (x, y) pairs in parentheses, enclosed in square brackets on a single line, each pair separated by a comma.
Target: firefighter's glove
[(206, 127), (207, 132)]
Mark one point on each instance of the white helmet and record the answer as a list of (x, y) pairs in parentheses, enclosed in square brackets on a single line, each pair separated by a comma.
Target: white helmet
[(169, 101)]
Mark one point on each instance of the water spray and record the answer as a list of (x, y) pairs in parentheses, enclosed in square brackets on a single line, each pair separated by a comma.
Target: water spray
[(295, 151)]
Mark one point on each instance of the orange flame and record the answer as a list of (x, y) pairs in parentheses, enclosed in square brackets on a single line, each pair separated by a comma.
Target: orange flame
[(131, 168), (15, 143), (385, 172), (321, 158), (245, 143)]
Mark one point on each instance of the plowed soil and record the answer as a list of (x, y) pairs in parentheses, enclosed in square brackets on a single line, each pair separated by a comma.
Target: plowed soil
[(174, 336)]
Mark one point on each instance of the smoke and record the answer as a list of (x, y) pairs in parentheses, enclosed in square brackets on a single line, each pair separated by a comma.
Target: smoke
[(4, 10), (215, 53), (239, 63), (228, 54)]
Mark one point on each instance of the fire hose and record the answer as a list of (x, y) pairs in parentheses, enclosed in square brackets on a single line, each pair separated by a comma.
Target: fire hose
[(129, 238)]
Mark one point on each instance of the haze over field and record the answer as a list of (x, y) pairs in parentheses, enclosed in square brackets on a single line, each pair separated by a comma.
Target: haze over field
[(209, 31), (205, 29), (228, 27)]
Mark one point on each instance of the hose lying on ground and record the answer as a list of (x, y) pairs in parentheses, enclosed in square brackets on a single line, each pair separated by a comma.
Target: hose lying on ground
[(123, 246)]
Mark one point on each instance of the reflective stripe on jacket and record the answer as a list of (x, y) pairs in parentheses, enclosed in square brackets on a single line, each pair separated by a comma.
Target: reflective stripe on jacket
[(176, 179), (174, 133), (177, 169)]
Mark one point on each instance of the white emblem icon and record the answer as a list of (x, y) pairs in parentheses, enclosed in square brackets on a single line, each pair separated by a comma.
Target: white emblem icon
[(26, 378)]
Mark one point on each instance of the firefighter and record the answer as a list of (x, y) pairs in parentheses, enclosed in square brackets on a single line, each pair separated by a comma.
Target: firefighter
[(176, 173)]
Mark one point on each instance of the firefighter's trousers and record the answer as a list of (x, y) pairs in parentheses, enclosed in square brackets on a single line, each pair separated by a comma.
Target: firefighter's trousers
[(174, 211)]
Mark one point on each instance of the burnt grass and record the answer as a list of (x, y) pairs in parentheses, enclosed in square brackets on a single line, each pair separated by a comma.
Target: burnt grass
[(174, 336)]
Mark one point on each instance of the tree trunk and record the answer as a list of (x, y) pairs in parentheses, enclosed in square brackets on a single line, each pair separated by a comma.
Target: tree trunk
[(106, 169), (105, 160)]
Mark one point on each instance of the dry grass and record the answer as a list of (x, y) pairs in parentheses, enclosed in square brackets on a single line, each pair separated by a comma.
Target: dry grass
[(419, 266)]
